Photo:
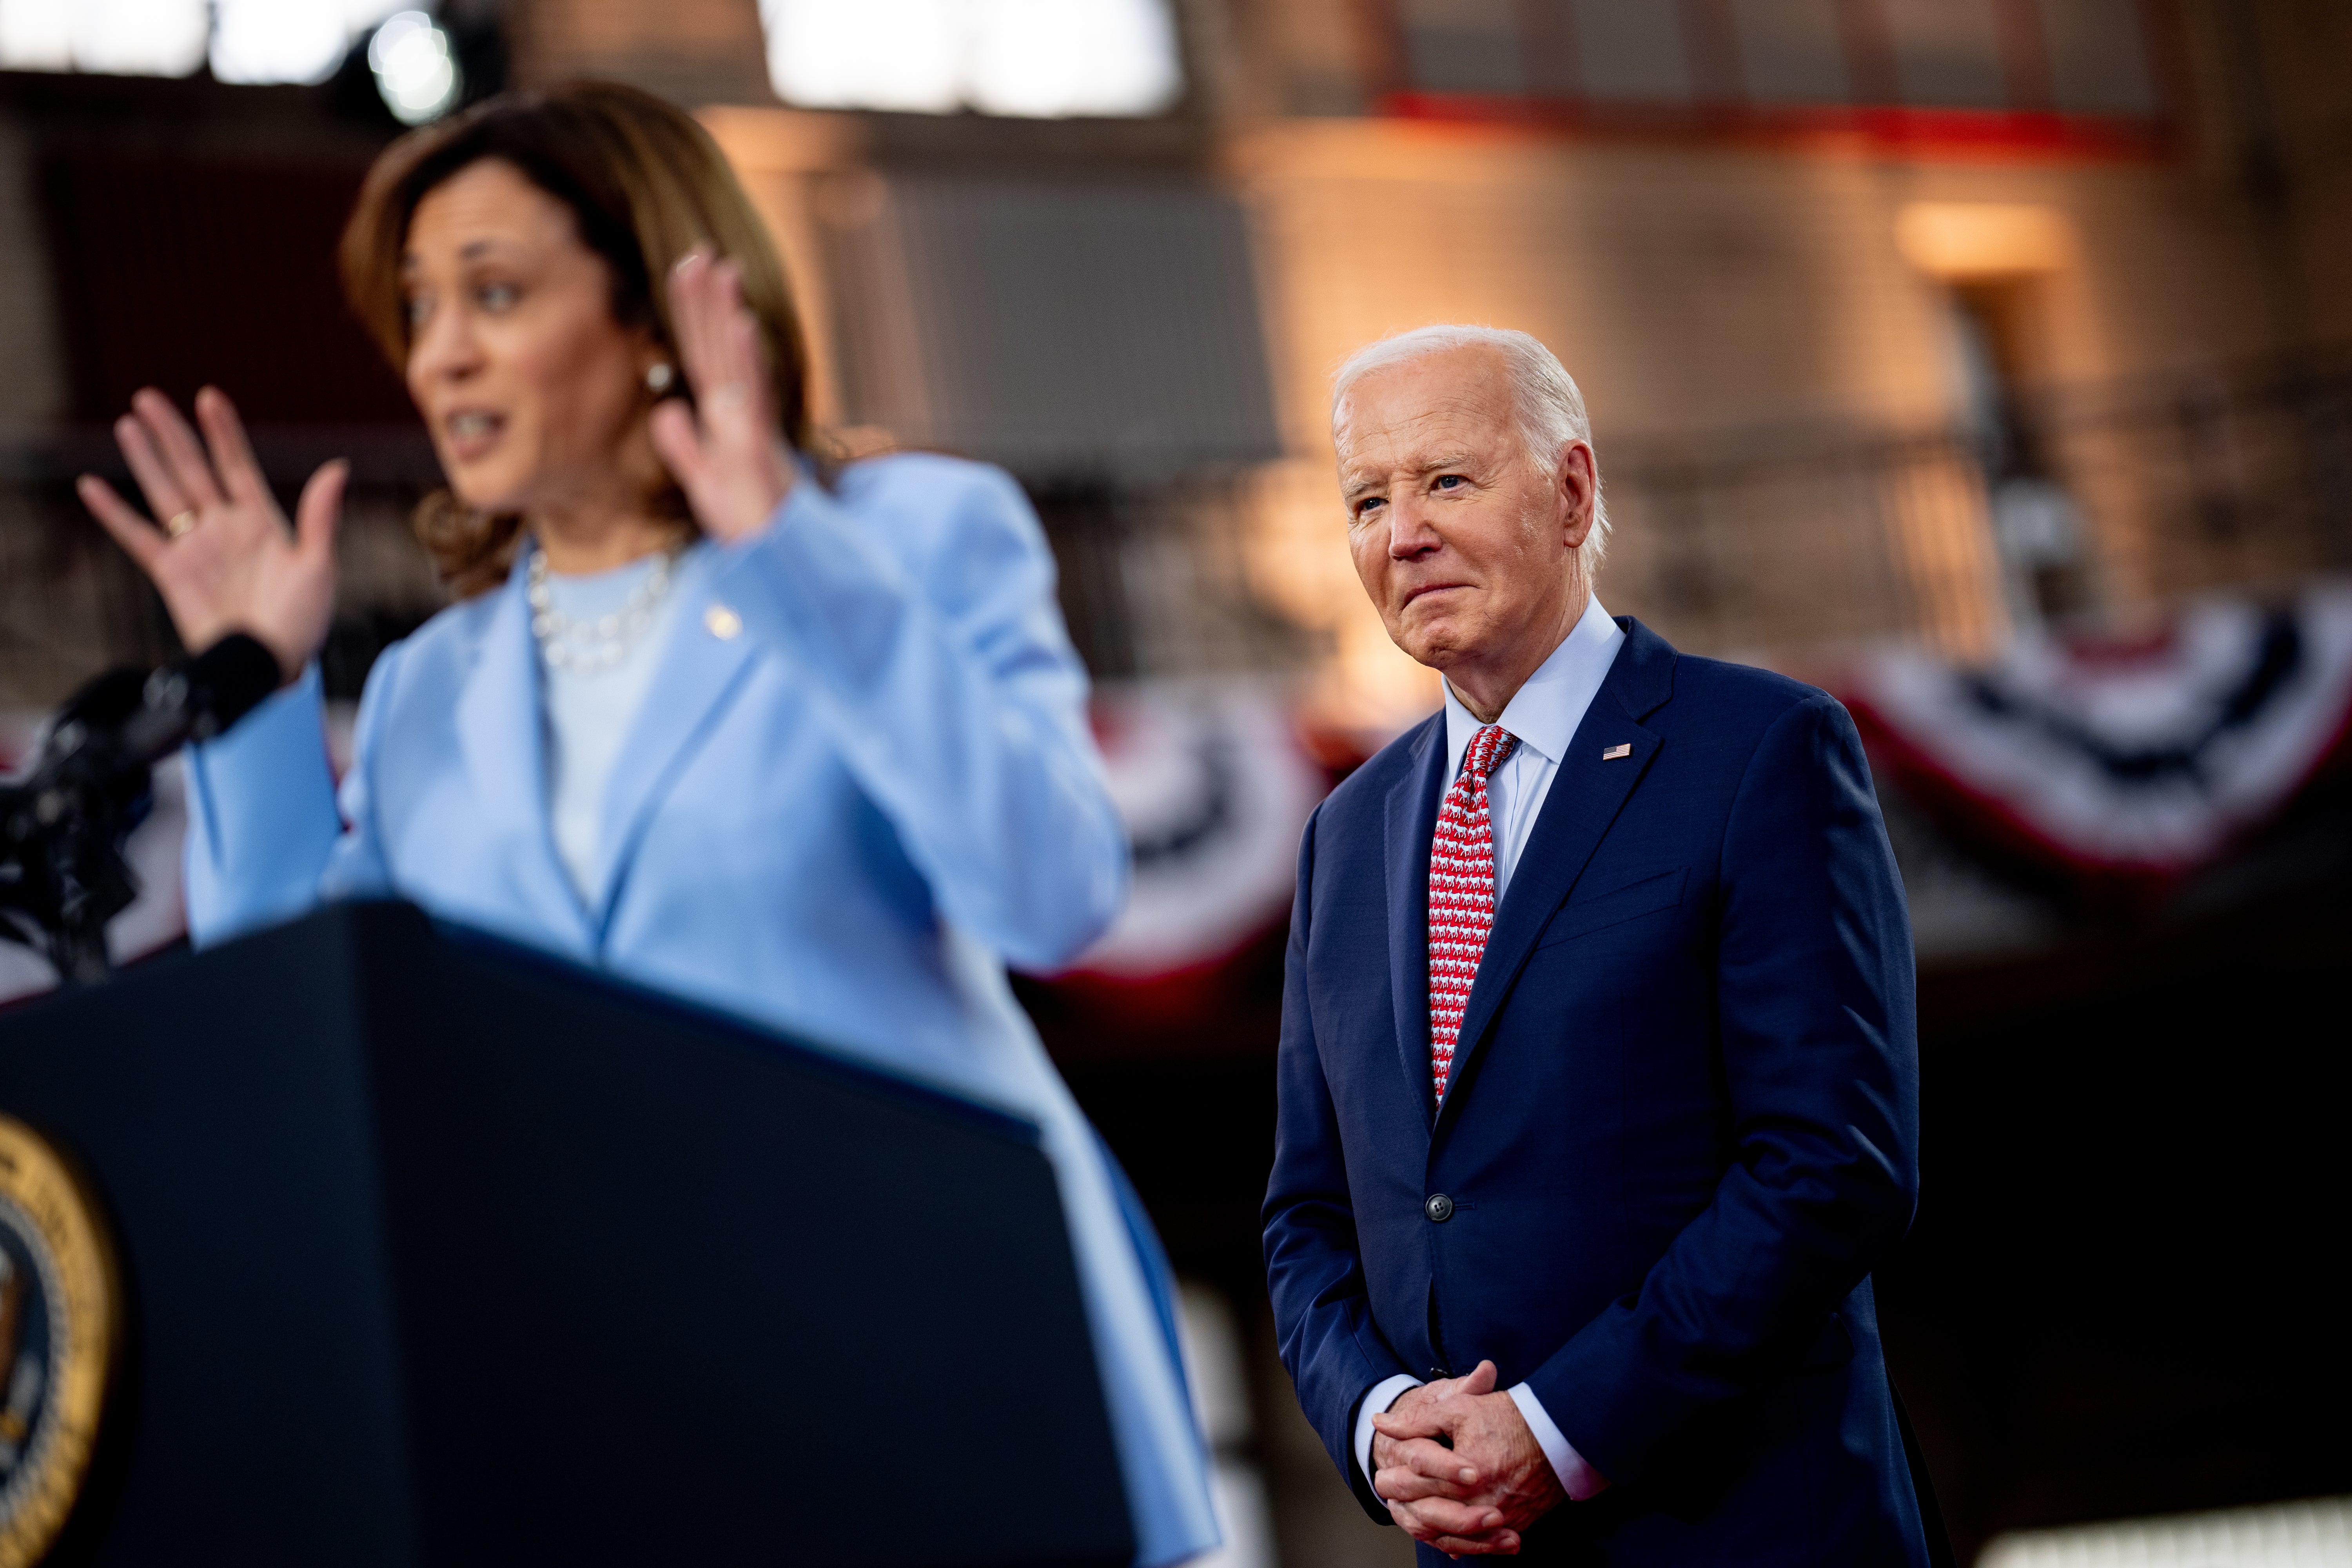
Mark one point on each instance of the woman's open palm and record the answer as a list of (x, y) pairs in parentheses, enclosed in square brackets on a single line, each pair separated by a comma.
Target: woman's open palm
[(224, 560), (726, 452)]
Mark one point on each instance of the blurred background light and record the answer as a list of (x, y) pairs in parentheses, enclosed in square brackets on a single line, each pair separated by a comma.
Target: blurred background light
[(36, 34), (246, 41), (884, 54), (278, 40), (1039, 59), (415, 68), (114, 38), (2308, 1534), (289, 40), (1983, 240), (1051, 58), (141, 37)]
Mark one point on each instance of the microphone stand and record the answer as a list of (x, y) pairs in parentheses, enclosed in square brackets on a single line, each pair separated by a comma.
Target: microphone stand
[(63, 826)]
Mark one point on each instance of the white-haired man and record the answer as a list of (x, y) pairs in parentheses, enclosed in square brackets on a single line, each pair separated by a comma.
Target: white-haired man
[(1598, 1077)]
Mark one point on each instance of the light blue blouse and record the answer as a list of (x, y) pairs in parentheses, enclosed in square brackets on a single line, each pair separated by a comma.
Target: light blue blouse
[(859, 783), (588, 708)]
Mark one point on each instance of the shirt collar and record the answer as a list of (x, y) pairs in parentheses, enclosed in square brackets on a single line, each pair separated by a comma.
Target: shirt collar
[(1544, 712)]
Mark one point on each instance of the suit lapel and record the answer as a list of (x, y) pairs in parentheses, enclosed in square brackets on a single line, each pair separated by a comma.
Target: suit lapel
[(1587, 793), (500, 736), (1412, 821), (691, 685)]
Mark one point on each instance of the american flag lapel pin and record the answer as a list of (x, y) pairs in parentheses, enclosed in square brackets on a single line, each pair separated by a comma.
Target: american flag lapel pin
[(1623, 749)]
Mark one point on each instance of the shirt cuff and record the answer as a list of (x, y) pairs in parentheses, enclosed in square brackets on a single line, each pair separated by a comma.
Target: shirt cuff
[(1579, 1480), (1382, 1395)]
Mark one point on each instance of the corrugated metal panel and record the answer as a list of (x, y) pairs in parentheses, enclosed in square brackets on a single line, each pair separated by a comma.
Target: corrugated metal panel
[(1063, 330)]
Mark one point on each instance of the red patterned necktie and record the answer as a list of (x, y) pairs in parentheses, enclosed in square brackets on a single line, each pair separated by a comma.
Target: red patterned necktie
[(1461, 895)]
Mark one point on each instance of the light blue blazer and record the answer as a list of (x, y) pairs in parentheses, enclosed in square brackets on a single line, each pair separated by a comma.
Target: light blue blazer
[(860, 782)]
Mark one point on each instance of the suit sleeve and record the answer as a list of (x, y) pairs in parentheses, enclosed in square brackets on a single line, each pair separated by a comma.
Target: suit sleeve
[(922, 612), (1322, 1309), (1820, 1060), (265, 839)]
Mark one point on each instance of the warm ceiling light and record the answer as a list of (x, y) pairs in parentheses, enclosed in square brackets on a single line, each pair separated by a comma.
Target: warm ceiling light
[(1981, 239)]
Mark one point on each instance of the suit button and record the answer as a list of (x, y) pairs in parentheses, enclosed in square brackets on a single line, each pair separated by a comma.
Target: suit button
[(1439, 1208)]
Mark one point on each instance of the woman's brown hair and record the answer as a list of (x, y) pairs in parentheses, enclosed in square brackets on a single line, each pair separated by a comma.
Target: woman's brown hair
[(646, 184)]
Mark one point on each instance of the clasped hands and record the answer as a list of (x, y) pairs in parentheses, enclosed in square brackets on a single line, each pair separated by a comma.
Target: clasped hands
[(1474, 1497)]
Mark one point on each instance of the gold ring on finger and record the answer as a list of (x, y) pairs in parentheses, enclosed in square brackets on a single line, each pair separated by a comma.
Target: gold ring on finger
[(181, 522)]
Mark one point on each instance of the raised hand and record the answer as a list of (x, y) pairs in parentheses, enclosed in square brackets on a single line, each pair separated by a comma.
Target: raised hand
[(1473, 1497), (224, 560), (726, 453)]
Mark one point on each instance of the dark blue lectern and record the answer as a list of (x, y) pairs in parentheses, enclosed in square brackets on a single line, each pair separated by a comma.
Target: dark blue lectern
[(437, 1252)]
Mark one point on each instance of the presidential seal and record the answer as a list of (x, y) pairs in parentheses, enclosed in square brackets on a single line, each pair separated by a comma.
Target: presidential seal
[(61, 1331)]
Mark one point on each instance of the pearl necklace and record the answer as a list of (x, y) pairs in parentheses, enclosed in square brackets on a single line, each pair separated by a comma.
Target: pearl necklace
[(604, 642)]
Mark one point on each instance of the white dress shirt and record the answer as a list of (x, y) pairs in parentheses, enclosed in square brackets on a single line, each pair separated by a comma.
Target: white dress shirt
[(1543, 714)]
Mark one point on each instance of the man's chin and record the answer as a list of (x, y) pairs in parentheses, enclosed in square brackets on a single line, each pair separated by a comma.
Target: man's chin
[(1438, 645)]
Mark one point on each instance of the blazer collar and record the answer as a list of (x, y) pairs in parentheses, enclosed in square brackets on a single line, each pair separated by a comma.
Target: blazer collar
[(700, 670), (1412, 821), (1587, 793), (1642, 679), (501, 735)]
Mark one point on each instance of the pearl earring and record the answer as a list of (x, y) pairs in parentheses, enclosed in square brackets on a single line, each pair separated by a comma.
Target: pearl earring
[(658, 376)]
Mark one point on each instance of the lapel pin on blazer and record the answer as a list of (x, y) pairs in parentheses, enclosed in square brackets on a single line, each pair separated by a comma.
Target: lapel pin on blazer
[(1623, 749)]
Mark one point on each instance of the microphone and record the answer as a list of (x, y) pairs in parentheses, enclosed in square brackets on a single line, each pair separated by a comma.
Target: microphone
[(63, 826)]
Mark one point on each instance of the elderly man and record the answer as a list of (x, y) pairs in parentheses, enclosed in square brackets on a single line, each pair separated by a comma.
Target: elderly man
[(1598, 1071)]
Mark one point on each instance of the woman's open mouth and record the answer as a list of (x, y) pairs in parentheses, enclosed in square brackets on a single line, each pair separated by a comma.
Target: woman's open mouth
[(469, 434)]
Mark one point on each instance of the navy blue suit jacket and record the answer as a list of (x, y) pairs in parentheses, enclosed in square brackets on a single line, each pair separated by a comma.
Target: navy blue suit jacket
[(1683, 1122)]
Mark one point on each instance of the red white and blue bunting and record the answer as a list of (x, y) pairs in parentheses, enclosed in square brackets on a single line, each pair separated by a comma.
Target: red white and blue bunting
[(2127, 761), (2141, 760), (1216, 787)]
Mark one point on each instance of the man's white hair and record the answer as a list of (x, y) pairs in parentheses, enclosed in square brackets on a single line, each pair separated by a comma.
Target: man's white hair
[(1550, 409)]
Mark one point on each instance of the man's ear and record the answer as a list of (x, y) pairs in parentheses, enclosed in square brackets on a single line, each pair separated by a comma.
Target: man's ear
[(1575, 484)]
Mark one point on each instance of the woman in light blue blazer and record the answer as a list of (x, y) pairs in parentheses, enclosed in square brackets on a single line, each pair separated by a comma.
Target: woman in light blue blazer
[(811, 750)]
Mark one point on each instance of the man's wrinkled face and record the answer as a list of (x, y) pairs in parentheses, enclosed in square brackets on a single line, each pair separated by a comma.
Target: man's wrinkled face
[(1465, 542)]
